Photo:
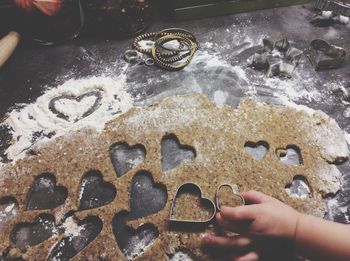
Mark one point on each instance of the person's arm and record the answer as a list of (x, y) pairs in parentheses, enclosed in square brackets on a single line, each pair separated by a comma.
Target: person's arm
[(318, 239), (269, 218)]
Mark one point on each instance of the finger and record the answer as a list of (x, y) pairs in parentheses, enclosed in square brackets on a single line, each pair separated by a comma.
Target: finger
[(240, 227), (236, 242), (255, 197), (251, 256), (241, 213)]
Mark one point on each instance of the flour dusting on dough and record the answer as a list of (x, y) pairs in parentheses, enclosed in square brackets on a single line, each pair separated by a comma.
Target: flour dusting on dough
[(36, 123)]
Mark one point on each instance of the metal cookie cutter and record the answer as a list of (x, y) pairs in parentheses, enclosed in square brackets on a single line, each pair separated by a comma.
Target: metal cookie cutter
[(217, 196), (132, 56), (191, 187), (339, 8), (277, 58), (149, 61), (323, 55)]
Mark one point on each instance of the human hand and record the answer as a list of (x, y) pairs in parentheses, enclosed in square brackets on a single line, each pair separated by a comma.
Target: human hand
[(266, 229), (25, 4)]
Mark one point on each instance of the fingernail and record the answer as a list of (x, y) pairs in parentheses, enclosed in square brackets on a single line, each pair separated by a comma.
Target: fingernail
[(206, 237)]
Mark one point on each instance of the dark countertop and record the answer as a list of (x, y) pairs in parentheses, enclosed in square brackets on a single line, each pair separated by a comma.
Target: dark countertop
[(33, 68)]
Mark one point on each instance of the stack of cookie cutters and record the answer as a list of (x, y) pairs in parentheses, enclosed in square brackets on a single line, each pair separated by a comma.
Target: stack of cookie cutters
[(338, 8), (331, 12), (324, 56), (277, 58), (215, 206)]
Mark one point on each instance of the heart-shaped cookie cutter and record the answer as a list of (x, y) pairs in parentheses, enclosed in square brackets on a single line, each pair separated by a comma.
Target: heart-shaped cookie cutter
[(217, 196), (323, 55), (196, 187)]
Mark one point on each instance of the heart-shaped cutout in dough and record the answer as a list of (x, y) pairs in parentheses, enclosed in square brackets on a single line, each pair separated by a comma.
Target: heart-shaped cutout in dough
[(257, 150), (290, 155), (78, 234), (125, 157), (94, 191), (174, 153), (44, 194), (133, 242), (31, 234)]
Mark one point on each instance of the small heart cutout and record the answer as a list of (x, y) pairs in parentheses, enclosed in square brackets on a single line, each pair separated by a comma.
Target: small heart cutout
[(133, 243), (257, 150), (8, 210), (147, 197), (44, 194), (77, 236), (189, 205), (74, 108), (125, 157), (31, 234), (299, 188), (94, 192), (227, 196), (290, 156), (174, 153)]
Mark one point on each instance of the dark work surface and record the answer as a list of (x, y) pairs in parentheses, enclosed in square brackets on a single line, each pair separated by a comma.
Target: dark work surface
[(33, 68)]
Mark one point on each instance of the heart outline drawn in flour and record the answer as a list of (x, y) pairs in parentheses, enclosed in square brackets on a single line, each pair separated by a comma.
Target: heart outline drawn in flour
[(30, 234), (193, 188), (291, 155), (146, 196), (89, 229), (60, 114), (174, 153), (257, 150), (94, 191), (234, 194), (127, 237), (45, 194), (125, 157)]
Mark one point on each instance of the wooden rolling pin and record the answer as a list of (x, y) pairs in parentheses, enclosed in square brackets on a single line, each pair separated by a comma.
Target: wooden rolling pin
[(8, 45)]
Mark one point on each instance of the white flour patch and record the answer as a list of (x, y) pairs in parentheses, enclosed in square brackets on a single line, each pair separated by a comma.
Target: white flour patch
[(71, 228), (220, 98), (347, 137), (36, 122)]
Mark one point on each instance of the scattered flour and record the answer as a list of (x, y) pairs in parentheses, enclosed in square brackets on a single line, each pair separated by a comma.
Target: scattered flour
[(7, 211), (340, 18), (180, 256), (71, 228), (138, 245), (36, 122)]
